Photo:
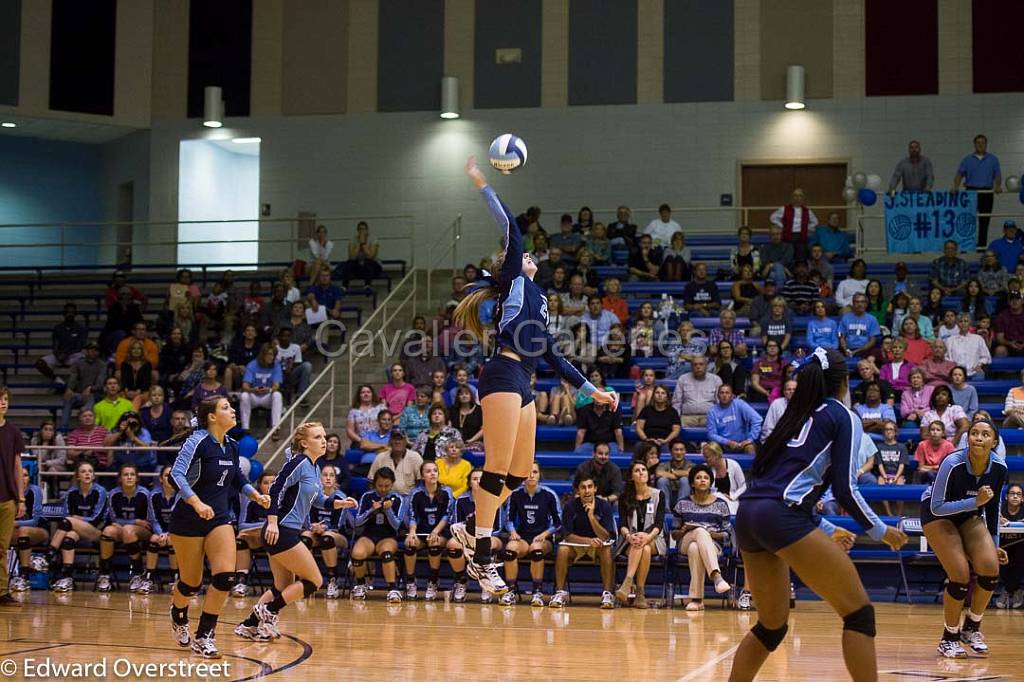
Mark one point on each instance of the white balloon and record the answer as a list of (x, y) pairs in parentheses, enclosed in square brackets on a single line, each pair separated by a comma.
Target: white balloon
[(859, 180), (245, 465), (1013, 183), (849, 194), (875, 181)]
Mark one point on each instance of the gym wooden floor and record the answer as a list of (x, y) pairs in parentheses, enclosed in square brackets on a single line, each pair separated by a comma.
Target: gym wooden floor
[(344, 640)]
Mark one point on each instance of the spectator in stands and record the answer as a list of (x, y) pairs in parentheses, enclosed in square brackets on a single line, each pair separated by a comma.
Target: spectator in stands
[(878, 306), (930, 452), (695, 393), (700, 296), (599, 320), (585, 270), (431, 438), (644, 260), (595, 423), (320, 249), (818, 261), (1009, 328), (800, 292), (663, 227), (761, 306), (777, 408), (566, 239), (855, 283), (917, 349), (252, 304), (68, 341), (949, 273), (641, 336), (744, 290), (397, 393), (362, 260), (916, 399), (110, 408), (964, 395), (589, 526), (727, 331), (643, 391), (671, 475), (704, 528), (980, 171), (1009, 247), (832, 239), (1010, 574), (559, 280), (261, 387), (85, 441), (241, 352), (362, 415), (937, 369), (899, 309), (174, 356), (613, 299), (377, 437), (559, 324), (575, 302), (452, 470), (776, 257), (766, 372), (690, 343), (302, 333), (140, 334), (732, 423), (598, 244), (466, 416), (744, 253), (405, 463), (993, 277), (777, 326), (130, 433), (729, 481), (675, 260), (186, 382), (529, 221), (85, 382), (914, 172), (584, 220), (948, 328), (731, 371), (868, 373), (181, 429), (119, 281), (605, 474), (613, 356), (641, 532), (933, 306), (295, 371), (414, 419), (1013, 407), (873, 412), (274, 309), (546, 268), (796, 222), (136, 375), (327, 294), (822, 330), (287, 281), (891, 461), (623, 231), (49, 461), (121, 317), (156, 417), (540, 254)]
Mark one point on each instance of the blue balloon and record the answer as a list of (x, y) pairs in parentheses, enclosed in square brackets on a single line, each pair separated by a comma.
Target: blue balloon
[(255, 469), (248, 446), (867, 196)]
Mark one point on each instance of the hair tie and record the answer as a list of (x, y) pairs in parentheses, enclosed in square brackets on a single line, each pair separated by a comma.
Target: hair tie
[(822, 356)]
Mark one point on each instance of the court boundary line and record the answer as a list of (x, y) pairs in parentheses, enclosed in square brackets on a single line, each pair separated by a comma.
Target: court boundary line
[(710, 664)]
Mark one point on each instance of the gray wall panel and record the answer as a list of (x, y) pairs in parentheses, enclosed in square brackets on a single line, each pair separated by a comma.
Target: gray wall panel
[(410, 52), (698, 50), (602, 51), (507, 24), (10, 51)]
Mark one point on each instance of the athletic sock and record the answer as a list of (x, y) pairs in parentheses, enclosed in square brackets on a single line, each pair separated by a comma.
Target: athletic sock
[(277, 603), (483, 545), (513, 586), (104, 565), (137, 566), (392, 586), (252, 621), (972, 622), (435, 575), (471, 524), (538, 586), (207, 623), (951, 633), (460, 576), (179, 616), (67, 570), (332, 571)]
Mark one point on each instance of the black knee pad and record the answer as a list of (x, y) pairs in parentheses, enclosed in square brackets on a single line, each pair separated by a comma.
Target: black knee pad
[(241, 545), (24, 543), (106, 538), (862, 620), (535, 555), (387, 557), (507, 555), (356, 563), (492, 482), (307, 541), (68, 544), (64, 524), (513, 482), (771, 639), (327, 542), (308, 588), (434, 551), (224, 581), (132, 548), (957, 591), (455, 553), (186, 590), (153, 547), (988, 582), (407, 551)]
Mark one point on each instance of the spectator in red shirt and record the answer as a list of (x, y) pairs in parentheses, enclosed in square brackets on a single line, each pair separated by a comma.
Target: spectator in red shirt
[(83, 441), (120, 281), (613, 299), (1009, 328), (931, 452)]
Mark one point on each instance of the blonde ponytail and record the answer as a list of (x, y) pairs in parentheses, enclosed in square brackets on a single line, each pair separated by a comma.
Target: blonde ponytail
[(467, 313)]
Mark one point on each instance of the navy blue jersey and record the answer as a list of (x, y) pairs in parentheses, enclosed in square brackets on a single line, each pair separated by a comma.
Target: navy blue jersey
[(426, 511), (332, 518), (463, 508), (532, 515), (33, 507), (523, 324), (296, 489), (160, 509), (575, 521), (91, 506), (825, 452), (250, 514), (209, 470), (955, 487), (125, 509), (378, 523)]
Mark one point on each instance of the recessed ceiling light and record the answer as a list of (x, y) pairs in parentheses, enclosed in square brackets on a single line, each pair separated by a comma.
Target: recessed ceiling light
[(246, 140), (8, 124)]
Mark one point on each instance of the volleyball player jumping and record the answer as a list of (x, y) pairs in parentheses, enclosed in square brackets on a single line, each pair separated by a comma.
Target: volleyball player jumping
[(509, 413), (960, 519), (814, 445)]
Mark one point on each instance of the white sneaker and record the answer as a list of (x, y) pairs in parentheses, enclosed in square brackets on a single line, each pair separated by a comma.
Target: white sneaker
[(103, 583), (975, 641), (459, 593), (537, 599), (205, 647), (949, 648), (268, 620), (487, 597), (510, 598), (1002, 600), (607, 600), (18, 584), (64, 585), (181, 634), (745, 602), (135, 583), (359, 592), (1018, 600), (333, 591), (394, 597), (240, 590), (468, 542), (489, 578), (431, 593), (411, 591), (559, 600), (147, 587), (39, 564), (252, 633)]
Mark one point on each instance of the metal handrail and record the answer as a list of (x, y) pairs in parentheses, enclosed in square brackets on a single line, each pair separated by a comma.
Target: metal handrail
[(449, 246), (296, 405)]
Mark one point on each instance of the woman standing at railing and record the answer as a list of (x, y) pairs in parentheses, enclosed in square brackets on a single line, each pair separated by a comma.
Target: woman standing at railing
[(509, 412)]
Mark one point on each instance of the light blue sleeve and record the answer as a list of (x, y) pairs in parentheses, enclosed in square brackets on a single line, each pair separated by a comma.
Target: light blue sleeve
[(101, 506), (846, 461), (754, 419), (712, 425), (182, 463), (939, 505)]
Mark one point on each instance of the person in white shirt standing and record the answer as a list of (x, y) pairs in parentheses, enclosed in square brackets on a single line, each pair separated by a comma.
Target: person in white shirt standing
[(663, 227), (968, 349), (320, 248)]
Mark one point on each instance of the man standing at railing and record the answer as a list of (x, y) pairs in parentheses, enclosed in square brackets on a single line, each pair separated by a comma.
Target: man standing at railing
[(914, 172), (12, 494), (980, 171)]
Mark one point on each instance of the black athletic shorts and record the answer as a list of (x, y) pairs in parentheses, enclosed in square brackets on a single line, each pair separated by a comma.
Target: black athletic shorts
[(502, 374), (956, 519), (286, 539), (768, 525), (185, 522)]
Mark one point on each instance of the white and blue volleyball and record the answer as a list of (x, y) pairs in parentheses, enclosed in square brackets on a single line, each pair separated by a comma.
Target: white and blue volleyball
[(508, 153)]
